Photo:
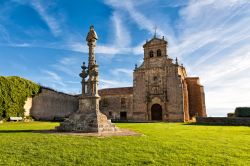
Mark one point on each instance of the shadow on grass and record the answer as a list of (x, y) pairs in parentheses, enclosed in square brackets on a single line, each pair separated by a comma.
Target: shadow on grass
[(132, 121), (120, 132), (25, 131), (214, 124)]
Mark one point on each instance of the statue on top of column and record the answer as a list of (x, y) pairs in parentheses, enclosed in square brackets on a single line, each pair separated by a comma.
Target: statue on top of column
[(92, 36)]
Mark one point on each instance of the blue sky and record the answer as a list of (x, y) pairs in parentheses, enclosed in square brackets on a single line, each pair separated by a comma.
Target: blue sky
[(44, 41)]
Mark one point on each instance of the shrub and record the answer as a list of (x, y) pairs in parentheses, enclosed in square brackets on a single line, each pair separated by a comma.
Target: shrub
[(242, 112), (13, 93)]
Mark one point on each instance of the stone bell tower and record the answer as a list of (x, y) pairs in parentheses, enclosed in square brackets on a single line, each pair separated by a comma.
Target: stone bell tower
[(88, 118)]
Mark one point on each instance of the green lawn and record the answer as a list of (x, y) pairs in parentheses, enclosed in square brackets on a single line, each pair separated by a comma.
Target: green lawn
[(160, 144)]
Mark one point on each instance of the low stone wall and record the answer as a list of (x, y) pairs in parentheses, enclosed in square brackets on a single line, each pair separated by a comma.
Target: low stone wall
[(237, 121), (51, 105)]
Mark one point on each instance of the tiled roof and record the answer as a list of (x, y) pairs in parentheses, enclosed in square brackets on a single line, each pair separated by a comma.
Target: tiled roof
[(116, 91)]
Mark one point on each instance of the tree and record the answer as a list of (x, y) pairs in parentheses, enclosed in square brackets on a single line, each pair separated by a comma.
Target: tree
[(13, 94)]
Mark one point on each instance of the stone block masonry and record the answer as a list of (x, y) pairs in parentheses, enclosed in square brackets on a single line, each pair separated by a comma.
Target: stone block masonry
[(50, 105), (236, 121), (196, 97)]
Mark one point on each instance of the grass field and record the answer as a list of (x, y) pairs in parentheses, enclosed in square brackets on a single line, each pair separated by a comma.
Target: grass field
[(160, 144)]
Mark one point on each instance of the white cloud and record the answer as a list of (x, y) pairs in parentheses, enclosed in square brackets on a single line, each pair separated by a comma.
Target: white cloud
[(122, 36), (122, 71), (53, 75), (49, 20), (142, 21), (211, 37), (69, 65), (20, 45), (138, 50), (214, 42), (53, 79), (113, 83), (108, 50), (67, 69), (4, 34), (69, 60)]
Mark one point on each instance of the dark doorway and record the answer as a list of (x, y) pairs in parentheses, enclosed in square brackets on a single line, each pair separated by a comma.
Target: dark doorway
[(123, 115), (156, 112)]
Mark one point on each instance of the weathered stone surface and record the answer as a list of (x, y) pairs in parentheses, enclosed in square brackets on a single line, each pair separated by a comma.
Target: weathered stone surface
[(51, 105), (88, 118), (115, 101), (237, 121), (161, 90), (196, 97)]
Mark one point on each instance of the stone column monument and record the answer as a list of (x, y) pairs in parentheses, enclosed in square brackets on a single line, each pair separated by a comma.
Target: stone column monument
[(88, 118)]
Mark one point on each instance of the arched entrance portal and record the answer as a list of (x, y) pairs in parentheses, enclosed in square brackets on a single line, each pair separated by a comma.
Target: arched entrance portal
[(156, 112)]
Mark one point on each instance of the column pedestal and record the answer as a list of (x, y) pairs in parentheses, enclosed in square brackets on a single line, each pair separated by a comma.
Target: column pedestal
[(88, 118)]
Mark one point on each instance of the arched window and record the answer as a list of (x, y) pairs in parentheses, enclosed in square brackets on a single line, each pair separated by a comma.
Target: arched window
[(123, 102), (159, 52), (151, 54)]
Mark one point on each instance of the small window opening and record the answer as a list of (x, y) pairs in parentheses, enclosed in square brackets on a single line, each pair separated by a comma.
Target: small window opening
[(151, 54), (123, 102), (159, 52)]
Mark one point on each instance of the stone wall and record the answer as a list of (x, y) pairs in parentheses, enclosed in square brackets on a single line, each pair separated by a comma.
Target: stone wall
[(159, 81), (51, 105), (223, 121), (139, 96), (117, 103), (196, 97), (185, 102)]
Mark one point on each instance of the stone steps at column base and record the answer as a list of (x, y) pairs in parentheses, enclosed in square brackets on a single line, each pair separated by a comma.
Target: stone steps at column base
[(87, 123)]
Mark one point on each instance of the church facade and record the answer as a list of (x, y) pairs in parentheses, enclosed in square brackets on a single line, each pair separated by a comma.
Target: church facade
[(162, 90)]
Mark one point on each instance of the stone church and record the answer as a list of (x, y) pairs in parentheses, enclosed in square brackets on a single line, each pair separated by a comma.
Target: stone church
[(161, 90)]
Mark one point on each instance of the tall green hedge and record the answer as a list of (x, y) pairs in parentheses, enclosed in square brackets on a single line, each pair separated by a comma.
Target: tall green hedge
[(13, 94), (242, 112)]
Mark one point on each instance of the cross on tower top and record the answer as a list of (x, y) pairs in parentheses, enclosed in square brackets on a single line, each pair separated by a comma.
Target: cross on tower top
[(155, 28)]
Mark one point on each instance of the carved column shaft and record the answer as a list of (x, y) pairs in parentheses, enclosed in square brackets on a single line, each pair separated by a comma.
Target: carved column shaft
[(83, 87), (92, 67), (91, 53)]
